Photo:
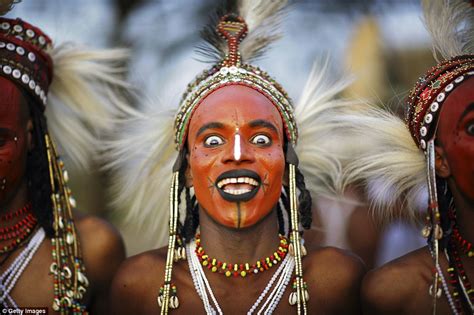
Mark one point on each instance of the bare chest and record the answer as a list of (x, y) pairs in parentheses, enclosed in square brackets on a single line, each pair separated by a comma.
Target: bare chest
[(34, 287)]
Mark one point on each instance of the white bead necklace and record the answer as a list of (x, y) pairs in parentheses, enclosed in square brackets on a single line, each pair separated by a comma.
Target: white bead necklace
[(10, 276), (203, 288)]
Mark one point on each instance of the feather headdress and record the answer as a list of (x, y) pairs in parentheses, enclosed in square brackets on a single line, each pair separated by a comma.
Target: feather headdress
[(262, 19), (385, 160), (143, 155), (80, 92), (143, 152), (85, 98), (451, 25)]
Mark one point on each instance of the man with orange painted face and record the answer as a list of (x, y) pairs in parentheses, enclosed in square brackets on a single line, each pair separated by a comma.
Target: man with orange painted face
[(240, 248), (429, 158), (50, 256)]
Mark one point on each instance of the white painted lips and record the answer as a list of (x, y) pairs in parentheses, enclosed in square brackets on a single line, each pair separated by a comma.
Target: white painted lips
[(237, 185)]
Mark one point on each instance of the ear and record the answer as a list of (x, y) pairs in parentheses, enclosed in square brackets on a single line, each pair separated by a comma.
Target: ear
[(29, 135), (187, 174), (441, 163)]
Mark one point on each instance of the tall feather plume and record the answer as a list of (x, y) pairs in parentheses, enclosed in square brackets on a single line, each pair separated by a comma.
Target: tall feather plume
[(85, 98), (321, 159), (451, 24), (262, 18), (383, 159), (6, 6), (141, 156)]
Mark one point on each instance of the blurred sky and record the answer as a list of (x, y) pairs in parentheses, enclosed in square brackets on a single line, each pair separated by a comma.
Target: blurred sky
[(163, 35)]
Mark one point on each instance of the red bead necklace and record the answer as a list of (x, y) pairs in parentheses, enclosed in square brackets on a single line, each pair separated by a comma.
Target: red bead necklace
[(15, 234), (244, 269), (456, 271), (464, 245)]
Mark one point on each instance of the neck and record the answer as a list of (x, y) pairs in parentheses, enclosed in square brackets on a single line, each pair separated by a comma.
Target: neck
[(19, 200), (464, 213), (239, 245)]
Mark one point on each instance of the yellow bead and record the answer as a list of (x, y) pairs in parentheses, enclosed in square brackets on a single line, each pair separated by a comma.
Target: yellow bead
[(228, 273), (236, 267), (224, 265), (247, 267), (214, 269), (470, 253), (205, 263), (243, 273), (214, 261)]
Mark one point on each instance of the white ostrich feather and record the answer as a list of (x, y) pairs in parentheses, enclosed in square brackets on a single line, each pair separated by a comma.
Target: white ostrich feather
[(263, 19), (386, 161), (84, 98), (316, 113), (141, 156), (451, 25)]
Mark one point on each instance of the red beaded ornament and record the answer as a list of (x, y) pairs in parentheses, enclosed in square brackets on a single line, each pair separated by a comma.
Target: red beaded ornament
[(243, 269), (18, 232)]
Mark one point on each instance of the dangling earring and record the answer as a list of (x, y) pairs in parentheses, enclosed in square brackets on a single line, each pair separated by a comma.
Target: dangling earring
[(301, 295)]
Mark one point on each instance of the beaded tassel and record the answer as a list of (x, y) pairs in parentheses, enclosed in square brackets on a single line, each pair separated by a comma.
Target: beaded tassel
[(301, 292), (436, 231), (70, 282), (165, 298)]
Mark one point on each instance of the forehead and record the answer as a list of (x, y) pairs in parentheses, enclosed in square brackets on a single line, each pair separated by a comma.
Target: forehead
[(458, 101), (11, 102), (235, 104)]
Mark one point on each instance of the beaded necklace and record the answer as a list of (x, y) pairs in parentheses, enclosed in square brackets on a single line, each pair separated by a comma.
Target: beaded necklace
[(10, 276), (272, 293), (230, 269), (18, 232), (461, 286)]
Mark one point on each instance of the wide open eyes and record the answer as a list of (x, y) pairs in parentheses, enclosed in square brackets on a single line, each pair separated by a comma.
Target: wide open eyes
[(261, 140), (470, 128), (213, 141)]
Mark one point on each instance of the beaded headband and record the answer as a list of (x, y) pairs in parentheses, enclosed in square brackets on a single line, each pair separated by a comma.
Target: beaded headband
[(230, 71), (428, 95), (23, 57)]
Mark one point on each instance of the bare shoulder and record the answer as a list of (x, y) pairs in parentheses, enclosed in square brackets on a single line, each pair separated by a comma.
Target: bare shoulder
[(334, 275), (97, 234), (100, 241), (392, 288), (136, 283), (330, 265)]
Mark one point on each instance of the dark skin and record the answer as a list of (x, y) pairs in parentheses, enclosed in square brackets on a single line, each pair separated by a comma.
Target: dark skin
[(401, 286), (333, 276), (101, 245)]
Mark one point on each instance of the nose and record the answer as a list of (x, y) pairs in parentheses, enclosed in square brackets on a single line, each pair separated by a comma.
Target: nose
[(238, 151)]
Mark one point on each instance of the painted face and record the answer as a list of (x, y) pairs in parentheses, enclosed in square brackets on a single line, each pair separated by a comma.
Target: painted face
[(13, 147), (236, 158), (456, 136)]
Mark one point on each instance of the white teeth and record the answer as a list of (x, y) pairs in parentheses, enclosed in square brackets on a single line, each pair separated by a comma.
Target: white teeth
[(237, 191), (237, 180)]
